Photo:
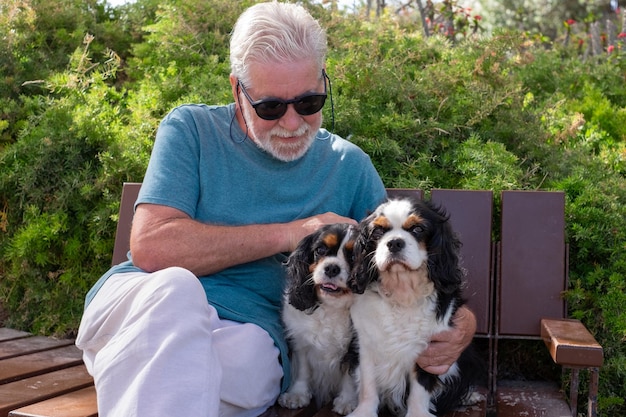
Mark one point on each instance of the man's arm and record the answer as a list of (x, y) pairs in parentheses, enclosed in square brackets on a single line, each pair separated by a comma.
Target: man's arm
[(162, 236), (446, 347)]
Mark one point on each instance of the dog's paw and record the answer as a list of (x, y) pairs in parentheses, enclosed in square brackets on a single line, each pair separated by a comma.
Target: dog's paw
[(294, 399), (344, 404)]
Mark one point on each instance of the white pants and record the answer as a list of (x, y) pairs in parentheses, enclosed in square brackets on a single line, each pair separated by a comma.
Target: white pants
[(155, 347)]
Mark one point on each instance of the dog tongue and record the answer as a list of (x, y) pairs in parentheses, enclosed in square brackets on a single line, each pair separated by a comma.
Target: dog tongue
[(329, 287)]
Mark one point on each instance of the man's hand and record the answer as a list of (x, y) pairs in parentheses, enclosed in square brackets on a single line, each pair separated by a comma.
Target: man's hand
[(305, 227), (446, 347)]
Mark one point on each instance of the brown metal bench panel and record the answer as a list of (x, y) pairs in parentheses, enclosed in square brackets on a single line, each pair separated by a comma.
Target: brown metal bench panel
[(81, 403), (470, 216), (532, 274), (27, 345), (38, 363), (27, 391), (130, 191)]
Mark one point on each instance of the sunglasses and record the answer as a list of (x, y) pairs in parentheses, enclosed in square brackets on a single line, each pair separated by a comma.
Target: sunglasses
[(275, 108)]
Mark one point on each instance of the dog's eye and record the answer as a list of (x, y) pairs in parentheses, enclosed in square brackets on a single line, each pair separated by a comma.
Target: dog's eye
[(350, 255), (417, 229), (377, 233), (321, 251)]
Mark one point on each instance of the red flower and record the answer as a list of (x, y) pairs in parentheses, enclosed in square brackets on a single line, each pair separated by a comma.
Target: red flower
[(622, 35), (478, 17), (570, 22), (610, 49)]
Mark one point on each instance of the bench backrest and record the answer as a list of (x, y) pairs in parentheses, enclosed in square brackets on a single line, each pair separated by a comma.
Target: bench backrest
[(471, 217), (130, 190), (532, 261), (511, 284)]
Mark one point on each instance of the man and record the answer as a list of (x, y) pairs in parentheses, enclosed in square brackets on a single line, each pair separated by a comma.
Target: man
[(229, 191)]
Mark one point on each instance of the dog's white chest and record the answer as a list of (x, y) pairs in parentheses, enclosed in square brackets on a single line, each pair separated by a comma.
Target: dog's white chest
[(394, 335), (324, 333)]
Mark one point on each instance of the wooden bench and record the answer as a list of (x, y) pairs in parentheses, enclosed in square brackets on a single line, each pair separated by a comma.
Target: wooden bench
[(515, 285)]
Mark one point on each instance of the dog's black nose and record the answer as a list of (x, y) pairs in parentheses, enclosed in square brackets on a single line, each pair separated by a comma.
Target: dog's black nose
[(395, 245), (332, 270)]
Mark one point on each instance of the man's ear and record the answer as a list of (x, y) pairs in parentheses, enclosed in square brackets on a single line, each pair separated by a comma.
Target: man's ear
[(233, 86)]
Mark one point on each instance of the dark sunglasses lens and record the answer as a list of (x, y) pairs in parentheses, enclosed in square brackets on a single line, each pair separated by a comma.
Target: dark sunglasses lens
[(271, 109), (275, 109), (310, 104)]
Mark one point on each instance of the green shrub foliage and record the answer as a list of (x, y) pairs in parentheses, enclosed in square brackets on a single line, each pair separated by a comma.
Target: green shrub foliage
[(83, 87)]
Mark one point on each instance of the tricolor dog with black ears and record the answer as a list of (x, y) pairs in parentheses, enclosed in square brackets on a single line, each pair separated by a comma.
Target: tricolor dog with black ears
[(316, 314), (406, 270)]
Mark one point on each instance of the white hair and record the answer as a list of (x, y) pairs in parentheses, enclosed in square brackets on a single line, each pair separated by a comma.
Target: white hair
[(275, 32)]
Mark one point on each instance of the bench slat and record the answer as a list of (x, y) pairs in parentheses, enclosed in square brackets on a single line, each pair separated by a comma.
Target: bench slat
[(40, 362), (28, 345), (10, 334), (38, 388), (81, 403)]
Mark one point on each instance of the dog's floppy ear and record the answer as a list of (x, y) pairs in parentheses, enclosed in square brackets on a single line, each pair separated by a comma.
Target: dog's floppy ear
[(363, 271), (443, 259), (300, 286)]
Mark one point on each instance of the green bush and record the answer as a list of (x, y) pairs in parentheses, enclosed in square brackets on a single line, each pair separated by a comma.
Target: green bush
[(500, 112)]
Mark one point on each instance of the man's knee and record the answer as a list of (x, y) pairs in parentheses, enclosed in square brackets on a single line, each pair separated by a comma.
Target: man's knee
[(178, 285)]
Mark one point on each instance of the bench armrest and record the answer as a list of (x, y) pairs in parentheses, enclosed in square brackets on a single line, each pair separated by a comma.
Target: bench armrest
[(571, 344)]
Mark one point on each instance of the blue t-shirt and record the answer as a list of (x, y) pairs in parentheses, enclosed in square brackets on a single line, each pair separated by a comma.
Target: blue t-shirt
[(203, 164)]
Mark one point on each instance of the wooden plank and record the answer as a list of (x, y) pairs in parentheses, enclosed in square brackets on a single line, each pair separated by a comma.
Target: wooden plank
[(27, 345), (14, 395), (81, 403), (10, 334), (37, 363), (570, 343)]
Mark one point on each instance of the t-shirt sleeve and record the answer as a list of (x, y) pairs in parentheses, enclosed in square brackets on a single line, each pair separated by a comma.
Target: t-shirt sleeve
[(172, 177)]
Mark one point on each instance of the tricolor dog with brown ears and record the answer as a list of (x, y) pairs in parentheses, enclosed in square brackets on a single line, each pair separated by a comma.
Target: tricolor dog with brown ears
[(316, 314), (407, 271)]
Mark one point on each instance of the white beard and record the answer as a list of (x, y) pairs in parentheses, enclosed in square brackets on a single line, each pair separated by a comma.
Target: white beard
[(285, 152)]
